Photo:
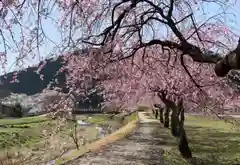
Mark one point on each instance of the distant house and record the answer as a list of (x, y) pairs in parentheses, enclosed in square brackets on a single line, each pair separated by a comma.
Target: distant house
[(235, 110), (87, 110), (5, 109)]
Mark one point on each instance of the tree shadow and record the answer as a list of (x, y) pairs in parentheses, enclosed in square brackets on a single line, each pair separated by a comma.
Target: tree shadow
[(212, 146), (212, 140), (209, 146)]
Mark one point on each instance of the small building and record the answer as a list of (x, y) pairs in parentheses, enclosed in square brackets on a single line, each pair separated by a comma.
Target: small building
[(87, 110)]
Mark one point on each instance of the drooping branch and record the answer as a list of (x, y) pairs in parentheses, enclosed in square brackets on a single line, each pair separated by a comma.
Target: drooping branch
[(187, 48), (228, 62), (223, 63)]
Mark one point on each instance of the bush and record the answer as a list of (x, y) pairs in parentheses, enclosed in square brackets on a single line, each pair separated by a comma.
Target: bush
[(17, 110), (2, 116), (19, 126)]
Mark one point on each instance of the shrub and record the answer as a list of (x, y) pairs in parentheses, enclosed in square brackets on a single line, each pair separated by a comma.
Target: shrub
[(2, 116), (17, 110)]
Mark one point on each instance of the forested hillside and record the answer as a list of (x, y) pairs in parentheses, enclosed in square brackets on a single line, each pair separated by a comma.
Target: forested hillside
[(30, 83)]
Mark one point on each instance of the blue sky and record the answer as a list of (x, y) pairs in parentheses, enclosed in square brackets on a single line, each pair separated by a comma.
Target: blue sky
[(51, 31)]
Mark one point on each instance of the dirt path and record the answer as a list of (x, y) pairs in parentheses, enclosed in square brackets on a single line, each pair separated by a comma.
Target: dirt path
[(142, 148)]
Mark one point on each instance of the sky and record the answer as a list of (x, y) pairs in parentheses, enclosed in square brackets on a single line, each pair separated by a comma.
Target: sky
[(51, 31)]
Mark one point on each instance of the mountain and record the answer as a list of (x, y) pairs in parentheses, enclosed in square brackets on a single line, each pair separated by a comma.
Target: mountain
[(30, 82)]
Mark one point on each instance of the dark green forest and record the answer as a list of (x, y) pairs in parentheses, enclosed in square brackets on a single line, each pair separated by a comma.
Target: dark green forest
[(30, 82)]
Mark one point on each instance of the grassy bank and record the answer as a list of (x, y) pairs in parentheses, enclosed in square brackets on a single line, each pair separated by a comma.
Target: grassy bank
[(213, 142), (130, 118), (22, 131), (44, 139), (25, 120), (129, 124)]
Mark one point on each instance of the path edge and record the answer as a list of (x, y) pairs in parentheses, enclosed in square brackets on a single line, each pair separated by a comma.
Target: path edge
[(121, 133)]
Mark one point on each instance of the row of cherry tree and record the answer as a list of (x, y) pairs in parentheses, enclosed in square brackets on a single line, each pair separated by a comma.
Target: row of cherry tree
[(142, 44), (153, 77), (132, 81), (144, 47)]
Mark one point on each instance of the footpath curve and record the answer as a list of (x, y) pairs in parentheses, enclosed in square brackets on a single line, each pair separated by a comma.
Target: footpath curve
[(141, 148)]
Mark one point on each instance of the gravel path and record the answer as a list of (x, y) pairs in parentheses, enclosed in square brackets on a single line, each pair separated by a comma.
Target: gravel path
[(141, 148)]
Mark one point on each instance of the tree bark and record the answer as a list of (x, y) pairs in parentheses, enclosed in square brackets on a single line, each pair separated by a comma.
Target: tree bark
[(166, 116), (183, 143), (177, 125), (229, 62), (156, 113), (175, 122), (161, 115)]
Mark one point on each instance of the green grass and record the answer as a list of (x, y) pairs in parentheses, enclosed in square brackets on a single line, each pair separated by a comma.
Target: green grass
[(22, 131), (130, 118), (213, 142), (98, 119), (26, 134), (25, 120), (18, 135), (96, 145)]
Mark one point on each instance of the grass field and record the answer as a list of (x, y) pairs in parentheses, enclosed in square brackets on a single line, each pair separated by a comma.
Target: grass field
[(23, 131), (45, 138), (212, 141)]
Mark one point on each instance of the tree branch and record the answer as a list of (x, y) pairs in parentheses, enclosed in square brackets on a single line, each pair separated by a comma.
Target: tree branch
[(171, 8), (223, 63)]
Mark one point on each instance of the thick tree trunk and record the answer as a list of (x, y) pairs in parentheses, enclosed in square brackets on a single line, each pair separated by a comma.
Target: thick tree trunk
[(183, 146), (183, 143), (153, 111), (166, 116), (175, 123), (161, 115), (156, 113), (229, 62), (224, 64)]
